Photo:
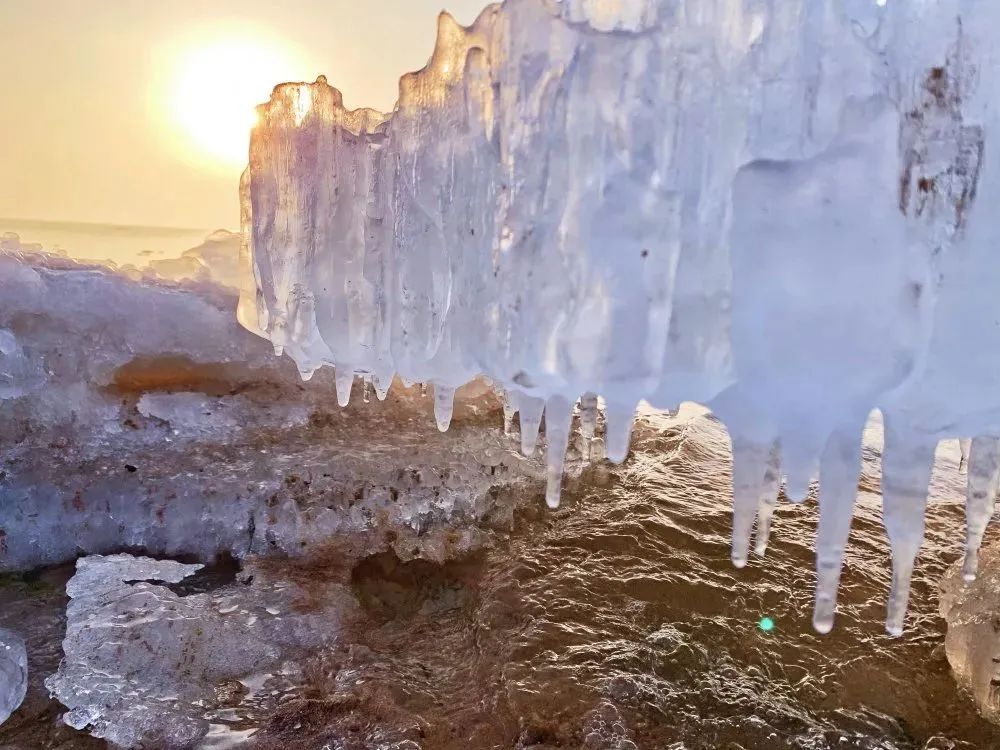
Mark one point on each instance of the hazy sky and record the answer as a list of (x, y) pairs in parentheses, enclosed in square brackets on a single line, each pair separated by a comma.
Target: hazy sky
[(98, 96)]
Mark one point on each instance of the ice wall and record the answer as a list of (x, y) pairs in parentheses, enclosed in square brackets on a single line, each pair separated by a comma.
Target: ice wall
[(780, 208)]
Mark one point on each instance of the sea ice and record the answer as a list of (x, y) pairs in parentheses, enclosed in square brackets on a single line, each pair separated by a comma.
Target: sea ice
[(782, 209)]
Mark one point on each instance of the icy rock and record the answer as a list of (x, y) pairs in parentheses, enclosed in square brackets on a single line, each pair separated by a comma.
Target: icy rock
[(579, 198), (972, 610), (13, 673), (142, 663)]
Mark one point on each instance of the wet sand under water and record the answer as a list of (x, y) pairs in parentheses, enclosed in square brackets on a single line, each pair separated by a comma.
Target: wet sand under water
[(619, 622)]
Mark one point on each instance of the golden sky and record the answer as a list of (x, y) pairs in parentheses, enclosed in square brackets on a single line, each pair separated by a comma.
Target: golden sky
[(102, 100)]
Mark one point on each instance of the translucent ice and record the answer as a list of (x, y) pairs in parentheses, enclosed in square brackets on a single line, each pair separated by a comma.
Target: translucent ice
[(779, 208), (143, 663), (13, 673)]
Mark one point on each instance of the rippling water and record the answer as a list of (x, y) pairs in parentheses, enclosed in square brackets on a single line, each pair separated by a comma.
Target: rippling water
[(619, 622)]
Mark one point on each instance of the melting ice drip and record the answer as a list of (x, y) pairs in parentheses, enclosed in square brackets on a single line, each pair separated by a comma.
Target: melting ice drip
[(783, 209)]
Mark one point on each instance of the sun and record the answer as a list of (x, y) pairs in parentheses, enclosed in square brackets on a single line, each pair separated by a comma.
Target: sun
[(213, 87)]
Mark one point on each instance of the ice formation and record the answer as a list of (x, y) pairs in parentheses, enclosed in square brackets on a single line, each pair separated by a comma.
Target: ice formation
[(13, 673), (973, 641), (144, 664), (779, 208)]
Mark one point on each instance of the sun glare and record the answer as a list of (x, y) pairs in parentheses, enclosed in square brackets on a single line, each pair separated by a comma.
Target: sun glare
[(216, 85)]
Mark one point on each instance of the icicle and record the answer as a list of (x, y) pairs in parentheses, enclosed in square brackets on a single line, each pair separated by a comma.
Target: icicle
[(382, 380), (444, 404), (558, 420), (366, 391), (588, 419), (530, 410), (344, 381), (799, 462), (278, 350), (963, 449), (768, 499), (840, 468), (509, 400), (750, 459), (306, 372), (906, 474), (618, 431), (980, 499)]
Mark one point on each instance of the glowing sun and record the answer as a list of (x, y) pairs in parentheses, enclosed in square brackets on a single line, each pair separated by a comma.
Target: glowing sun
[(214, 87)]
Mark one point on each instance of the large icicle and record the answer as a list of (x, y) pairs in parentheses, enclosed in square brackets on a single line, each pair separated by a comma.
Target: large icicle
[(839, 471), (750, 465), (558, 418), (907, 461)]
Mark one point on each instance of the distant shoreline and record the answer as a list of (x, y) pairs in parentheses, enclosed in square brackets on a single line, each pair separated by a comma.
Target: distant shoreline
[(94, 227), (118, 243)]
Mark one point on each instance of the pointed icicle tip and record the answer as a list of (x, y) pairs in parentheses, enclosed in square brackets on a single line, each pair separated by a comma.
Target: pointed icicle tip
[(306, 373), (906, 473), (530, 411), (799, 460), (558, 421), (980, 498), (768, 500), (444, 405), (840, 470), (618, 431), (382, 381), (750, 460), (344, 381), (278, 350), (970, 565)]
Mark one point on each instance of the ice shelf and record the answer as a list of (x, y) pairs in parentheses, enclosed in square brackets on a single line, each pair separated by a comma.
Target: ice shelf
[(782, 209)]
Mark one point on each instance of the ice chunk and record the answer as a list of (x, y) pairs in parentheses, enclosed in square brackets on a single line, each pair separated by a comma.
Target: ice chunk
[(907, 461), (142, 663), (972, 644), (778, 208), (13, 673)]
